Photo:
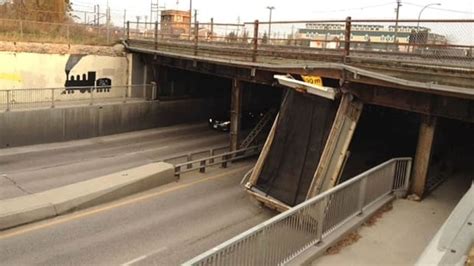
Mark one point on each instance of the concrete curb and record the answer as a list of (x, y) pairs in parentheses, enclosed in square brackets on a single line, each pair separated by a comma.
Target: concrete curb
[(51, 203)]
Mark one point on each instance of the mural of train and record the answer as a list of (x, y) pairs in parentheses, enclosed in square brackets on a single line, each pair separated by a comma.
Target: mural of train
[(86, 83)]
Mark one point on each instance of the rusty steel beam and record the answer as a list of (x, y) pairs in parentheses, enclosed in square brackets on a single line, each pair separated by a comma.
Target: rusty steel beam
[(235, 113)]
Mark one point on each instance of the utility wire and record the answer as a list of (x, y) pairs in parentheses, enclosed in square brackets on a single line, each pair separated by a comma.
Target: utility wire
[(354, 8), (442, 9)]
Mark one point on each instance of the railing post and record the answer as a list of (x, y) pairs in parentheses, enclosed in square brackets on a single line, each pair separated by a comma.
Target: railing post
[(255, 41), (407, 176), (362, 192), (196, 36), (128, 30), (320, 218), (92, 95), (52, 98), (347, 38), (156, 35), (8, 100), (124, 93)]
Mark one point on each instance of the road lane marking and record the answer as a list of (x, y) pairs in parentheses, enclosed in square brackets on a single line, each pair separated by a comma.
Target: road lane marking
[(128, 263), (86, 213)]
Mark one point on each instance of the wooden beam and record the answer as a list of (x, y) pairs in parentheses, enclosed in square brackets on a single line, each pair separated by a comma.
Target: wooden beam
[(423, 154), (263, 156), (334, 153)]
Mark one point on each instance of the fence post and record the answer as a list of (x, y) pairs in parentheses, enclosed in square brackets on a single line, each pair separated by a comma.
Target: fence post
[(255, 41), (156, 35), (52, 98), (362, 192), (212, 28), (128, 30), (21, 29), (347, 38), (177, 169), (8, 100), (196, 36)]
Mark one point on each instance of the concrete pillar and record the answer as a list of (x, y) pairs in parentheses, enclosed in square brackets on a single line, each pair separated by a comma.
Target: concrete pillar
[(423, 154), (235, 114)]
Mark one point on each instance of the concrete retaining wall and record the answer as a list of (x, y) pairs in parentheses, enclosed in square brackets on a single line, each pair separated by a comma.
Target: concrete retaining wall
[(19, 128)]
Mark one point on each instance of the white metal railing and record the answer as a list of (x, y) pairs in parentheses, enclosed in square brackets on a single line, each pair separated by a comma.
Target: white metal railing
[(285, 236), (34, 98)]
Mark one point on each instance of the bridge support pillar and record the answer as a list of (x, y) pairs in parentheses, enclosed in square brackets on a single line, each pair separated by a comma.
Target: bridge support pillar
[(235, 114), (423, 154)]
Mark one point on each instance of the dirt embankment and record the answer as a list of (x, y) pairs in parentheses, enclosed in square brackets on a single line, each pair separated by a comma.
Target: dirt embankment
[(51, 48)]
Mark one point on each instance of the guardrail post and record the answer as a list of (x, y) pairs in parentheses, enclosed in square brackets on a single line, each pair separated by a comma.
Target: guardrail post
[(128, 30), (196, 36), (52, 98), (362, 192), (189, 158), (177, 169), (156, 35), (347, 38), (8, 100), (202, 167), (255, 41), (211, 153), (224, 161)]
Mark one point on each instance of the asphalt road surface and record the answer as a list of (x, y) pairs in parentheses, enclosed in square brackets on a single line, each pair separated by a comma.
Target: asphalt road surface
[(164, 226), (37, 168)]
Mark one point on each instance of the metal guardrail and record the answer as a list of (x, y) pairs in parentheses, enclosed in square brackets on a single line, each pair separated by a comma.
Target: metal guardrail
[(34, 98), (214, 159), (285, 236)]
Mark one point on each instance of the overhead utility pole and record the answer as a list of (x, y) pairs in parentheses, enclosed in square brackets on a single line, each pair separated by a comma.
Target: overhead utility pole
[(397, 10)]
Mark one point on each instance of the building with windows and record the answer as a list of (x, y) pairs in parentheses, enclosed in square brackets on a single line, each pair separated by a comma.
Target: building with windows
[(175, 22), (330, 35)]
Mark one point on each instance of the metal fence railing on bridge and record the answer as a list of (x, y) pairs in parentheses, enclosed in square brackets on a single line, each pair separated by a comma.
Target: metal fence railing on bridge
[(287, 235), (434, 42), (35, 98)]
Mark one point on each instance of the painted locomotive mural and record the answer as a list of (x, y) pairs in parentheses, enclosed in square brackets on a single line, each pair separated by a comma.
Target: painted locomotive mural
[(85, 82)]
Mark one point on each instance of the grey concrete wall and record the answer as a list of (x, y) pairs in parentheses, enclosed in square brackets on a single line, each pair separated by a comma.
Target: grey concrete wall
[(19, 128)]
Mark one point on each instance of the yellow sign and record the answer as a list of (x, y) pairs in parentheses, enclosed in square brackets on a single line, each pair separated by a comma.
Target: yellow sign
[(313, 80)]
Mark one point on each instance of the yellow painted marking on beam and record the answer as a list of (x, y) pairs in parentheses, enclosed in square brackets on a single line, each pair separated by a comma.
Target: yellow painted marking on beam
[(118, 204), (313, 80), (10, 76)]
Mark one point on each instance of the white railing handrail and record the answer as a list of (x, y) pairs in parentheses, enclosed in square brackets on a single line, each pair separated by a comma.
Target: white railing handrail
[(293, 210)]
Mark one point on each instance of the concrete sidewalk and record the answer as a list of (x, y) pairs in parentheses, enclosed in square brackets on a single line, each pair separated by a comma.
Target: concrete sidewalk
[(401, 235)]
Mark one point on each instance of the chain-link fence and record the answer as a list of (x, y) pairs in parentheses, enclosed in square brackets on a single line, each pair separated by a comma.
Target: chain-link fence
[(66, 33), (434, 42)]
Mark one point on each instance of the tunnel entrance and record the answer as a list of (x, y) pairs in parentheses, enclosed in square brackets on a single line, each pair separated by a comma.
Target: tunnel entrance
[(382, 134)]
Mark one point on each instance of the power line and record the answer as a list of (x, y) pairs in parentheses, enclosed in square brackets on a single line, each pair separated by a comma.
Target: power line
[(355, 8), (442, 9)]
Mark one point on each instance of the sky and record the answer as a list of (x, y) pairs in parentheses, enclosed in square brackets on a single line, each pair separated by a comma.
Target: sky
[(229, 11)]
